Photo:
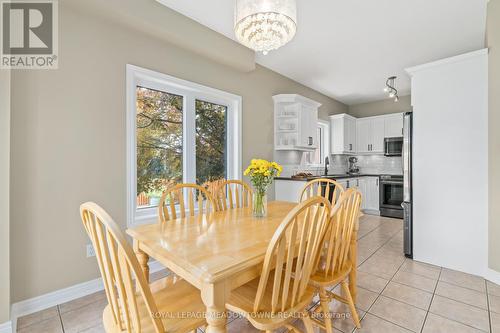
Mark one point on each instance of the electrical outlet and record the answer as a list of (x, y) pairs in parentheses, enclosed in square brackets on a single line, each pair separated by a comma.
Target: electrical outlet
[(90, 251)]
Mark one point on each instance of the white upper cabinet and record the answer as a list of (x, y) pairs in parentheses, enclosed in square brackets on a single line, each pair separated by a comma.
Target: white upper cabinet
[(370, 135), (393, 125), (295, 122), (343, 134)]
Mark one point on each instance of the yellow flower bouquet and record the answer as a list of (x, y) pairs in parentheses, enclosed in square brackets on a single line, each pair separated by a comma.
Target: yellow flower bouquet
[(261, 173)]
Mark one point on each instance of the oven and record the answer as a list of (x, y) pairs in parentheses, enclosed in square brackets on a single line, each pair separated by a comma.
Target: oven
[(391, 196), (393, 146)]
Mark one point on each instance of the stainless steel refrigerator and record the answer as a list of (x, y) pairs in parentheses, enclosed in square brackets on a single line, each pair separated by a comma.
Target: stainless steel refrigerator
[(407, 184)]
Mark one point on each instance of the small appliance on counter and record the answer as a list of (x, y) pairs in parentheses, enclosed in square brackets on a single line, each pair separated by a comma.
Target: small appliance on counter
[(353, 168)]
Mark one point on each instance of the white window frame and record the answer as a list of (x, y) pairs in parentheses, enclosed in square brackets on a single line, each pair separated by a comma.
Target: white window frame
[(190, 91), (325, 125)]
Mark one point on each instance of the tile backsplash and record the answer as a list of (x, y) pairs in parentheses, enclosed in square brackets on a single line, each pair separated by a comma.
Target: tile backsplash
[(380, 164), (372, 164)]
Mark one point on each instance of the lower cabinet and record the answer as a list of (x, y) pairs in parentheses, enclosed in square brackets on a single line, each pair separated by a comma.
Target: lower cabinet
[(289, 190), (371, 195)]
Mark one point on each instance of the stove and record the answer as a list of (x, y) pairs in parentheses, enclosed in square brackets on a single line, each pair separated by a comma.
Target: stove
[(391, 196)]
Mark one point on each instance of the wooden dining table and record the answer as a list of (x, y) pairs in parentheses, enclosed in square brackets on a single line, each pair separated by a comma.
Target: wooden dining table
[(214, 252)]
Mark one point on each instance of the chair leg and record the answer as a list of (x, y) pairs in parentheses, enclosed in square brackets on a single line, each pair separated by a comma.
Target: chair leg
[(324, 301), (354, 313), (308, 324)]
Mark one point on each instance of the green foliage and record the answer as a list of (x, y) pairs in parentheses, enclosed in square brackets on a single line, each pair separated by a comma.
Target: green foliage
[(160, 140), (210, 141)]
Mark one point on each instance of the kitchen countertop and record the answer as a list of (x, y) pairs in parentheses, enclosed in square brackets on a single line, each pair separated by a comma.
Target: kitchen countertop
[(335, 176)]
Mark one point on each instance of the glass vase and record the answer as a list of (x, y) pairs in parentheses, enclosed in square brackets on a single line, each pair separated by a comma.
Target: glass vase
[(259, 204)]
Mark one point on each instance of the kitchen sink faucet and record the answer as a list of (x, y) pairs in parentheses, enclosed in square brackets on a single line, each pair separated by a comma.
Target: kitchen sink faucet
[(327, 163)]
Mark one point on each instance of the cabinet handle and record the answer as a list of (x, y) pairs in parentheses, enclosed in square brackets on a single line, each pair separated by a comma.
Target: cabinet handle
[(310, 140), (350, 146), (347, 184)]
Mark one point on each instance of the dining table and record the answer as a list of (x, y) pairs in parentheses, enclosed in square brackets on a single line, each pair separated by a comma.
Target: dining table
[(215, 252)]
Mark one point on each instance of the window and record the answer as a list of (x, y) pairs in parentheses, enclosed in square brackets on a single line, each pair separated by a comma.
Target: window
[(317, 156), (177, 131)]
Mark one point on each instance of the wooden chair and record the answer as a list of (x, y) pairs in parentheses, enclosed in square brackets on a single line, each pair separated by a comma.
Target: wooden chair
[(283, 291), (327, 188), (136, 307), (212, 186), (334, 264), (199, 200), (234, 194)]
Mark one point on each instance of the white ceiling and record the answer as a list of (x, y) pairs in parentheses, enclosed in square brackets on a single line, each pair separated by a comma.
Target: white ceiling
[(346, 49)]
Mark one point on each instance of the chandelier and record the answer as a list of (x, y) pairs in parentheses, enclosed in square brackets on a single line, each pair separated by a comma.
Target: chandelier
[(265, 25), (390, 87)]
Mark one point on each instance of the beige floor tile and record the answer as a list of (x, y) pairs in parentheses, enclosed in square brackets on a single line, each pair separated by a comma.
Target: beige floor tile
[(379, 266), (52, 325), (96, 329), (79, 302), (365, 299), (300, 325), (415, 281), (399, 313), (371, 282), (494, 303), (37, 317), (464, 295), (373, 324), (341, 316), (493, 289), (438, 324), (409, 295), (463, 279), (419, 268), (83, 318), (241, 325), (158, 275), (495, 322), (461, 312)]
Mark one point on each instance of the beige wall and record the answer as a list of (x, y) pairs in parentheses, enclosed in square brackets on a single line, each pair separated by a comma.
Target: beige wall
[(68, 138), (4, 195), (493, 40), (384, 106)]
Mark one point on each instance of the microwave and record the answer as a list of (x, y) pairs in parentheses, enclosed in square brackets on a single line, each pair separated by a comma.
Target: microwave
[(393, 146)]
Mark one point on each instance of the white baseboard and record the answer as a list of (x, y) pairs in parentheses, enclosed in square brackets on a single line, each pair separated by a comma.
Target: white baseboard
[(60, 296), (492, 276), (6, 327)]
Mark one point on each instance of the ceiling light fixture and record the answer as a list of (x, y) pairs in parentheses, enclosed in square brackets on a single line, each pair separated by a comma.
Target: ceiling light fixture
[(265, 25), (390, 87)]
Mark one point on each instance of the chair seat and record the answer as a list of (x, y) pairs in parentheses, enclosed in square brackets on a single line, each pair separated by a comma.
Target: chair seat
[(319, 279), (242, 301), (178, 303)]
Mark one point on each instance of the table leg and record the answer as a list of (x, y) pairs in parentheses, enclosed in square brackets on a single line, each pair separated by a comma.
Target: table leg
[(143, 259), (353, 288), (214, 297)]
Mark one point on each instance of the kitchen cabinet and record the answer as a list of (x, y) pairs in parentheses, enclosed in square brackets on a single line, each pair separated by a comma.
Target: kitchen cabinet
[(288, 190), (393, 125), (343, 134), (372, 194), (370, 135), (295, 122)]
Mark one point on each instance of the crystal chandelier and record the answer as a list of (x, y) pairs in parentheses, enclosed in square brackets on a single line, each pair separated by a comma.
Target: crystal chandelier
[(265, 25)]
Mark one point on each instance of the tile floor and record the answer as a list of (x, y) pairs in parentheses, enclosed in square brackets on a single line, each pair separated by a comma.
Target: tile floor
[(395, 294)]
